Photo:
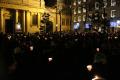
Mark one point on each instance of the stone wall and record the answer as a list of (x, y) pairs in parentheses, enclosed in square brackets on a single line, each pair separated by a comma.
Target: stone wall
[(32, 3)]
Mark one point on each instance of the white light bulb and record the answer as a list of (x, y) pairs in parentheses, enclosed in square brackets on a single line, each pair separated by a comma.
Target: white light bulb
[(31, 48), (50, 59), (89, 67)]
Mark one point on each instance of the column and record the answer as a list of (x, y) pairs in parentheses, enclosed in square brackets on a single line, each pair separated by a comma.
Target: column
[(1, 21), (24, 21), (16, 19), (38, 20)]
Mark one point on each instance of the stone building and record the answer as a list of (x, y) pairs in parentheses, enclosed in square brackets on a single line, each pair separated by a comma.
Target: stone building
[(24, 16)]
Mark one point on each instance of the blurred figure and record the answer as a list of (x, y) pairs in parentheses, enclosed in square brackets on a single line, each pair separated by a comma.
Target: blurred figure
[(100, 64)]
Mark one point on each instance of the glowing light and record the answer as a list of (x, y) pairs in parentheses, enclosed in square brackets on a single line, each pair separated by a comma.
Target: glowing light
[(18, 27), (89, 67), (118, 23), (115, 37), (96, 77), (25, 36), (9, 37), (77, 25), (76, 40), (74, 3), (45, 38), (87, 26), (31, 48), (99, 30), (50, 59), (113, 24), (79, 2), (56, 25), (97, 49)]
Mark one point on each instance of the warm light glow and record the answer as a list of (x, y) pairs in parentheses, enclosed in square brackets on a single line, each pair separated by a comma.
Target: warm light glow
[(118, 23), (56, 25), (18, 27), (79, 2), (89, 67), (9, 37), (50, 59), (97, 49), (96, 77), (115, 37), (74, 3), (31, 48), (45, 38), (99, 30)]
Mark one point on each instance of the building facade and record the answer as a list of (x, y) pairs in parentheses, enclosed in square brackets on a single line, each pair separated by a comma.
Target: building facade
[(18, 16), (113, 13), (95, 13), (79, 10)]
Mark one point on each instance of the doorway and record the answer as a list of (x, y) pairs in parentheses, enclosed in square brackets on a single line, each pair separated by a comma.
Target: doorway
[(9, 26)]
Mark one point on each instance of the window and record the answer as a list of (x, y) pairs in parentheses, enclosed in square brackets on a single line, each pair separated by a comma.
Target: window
[(74, 2), (79, 9), (105, 3), (113, 13), (74, 11), (79, 18), (84, 16), (75, 19), (84, 0), (96, 5), (113, 2), (84, 10), (79, 1), (34, 19)]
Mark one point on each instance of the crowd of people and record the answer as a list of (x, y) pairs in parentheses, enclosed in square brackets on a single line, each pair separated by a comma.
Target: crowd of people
[(57, 56)]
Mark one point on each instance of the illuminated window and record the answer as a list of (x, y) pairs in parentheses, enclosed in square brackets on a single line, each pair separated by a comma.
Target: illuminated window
[(74, 11), (103, 16), (113, 2), (75, 19), (84, 0), (79, 9), (79, 1), (84, 17), (74, 2), (113, 12), (105, 3), (84, 10), (79, 18), (96, 5)]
